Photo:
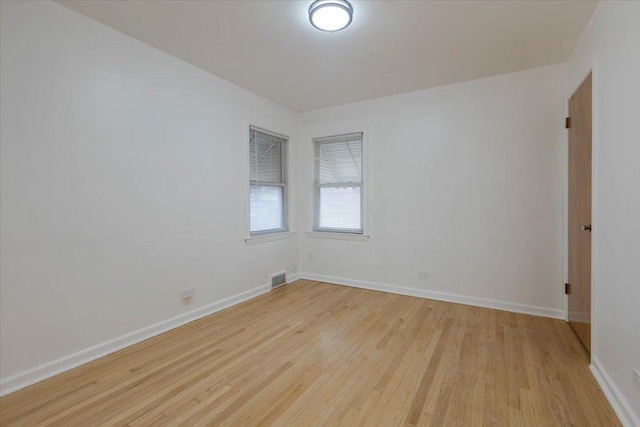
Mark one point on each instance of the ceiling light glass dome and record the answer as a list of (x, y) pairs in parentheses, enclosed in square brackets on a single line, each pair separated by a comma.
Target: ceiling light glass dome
[(330, 15)]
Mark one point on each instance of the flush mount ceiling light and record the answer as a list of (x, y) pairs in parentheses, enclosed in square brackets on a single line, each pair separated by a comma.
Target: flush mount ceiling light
[(330, 15)]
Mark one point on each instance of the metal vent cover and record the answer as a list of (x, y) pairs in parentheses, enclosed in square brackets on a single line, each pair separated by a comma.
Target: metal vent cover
[(278, 280)]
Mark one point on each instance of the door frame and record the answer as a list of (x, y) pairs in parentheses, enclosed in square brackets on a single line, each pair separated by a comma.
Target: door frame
[(592, 68)]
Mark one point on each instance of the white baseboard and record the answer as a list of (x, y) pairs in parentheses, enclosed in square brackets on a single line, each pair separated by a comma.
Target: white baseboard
[(620, 405), (441, 296), (49, 369), (293, 277)]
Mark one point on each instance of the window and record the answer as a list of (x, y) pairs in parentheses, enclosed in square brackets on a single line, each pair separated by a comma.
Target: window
[(338, 182), (267, 182)]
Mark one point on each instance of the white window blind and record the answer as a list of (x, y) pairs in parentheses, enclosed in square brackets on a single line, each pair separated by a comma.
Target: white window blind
[(338, 172), (267, 181)]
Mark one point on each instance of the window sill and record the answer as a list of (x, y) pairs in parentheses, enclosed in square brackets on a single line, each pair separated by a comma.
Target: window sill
[(338, 236), (269, 237)]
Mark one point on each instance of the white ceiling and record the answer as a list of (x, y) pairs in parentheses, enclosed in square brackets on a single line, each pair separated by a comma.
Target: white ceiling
[(270, 48)]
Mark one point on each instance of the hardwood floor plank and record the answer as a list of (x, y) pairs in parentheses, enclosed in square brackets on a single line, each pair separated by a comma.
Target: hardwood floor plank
[(425, 385), (316, 354)]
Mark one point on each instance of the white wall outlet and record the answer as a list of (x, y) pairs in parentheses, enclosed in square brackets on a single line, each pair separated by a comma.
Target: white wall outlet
[(309, 256), (423, 275), (294, 270), (636, 378), (188, 293)]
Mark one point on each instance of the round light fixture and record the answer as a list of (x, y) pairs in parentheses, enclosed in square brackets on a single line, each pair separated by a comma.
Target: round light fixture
[(330, 15)]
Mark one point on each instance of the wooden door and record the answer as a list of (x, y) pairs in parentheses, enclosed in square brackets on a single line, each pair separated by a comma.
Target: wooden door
[(580, 212)]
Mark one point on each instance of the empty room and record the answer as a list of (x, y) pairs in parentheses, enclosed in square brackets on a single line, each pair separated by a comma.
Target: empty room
[(320, 213)]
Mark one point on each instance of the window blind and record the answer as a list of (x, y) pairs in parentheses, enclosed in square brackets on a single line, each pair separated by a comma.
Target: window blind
[(267, 181), (338, 172)]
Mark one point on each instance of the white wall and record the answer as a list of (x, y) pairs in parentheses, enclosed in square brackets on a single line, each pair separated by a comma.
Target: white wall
[(465, 182), (124, 180), (611, 46)]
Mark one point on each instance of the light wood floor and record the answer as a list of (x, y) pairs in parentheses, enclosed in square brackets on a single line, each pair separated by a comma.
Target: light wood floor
[(319, 354)]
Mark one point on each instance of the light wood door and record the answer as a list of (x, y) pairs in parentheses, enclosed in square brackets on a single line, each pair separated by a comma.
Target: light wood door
[(580, 212)]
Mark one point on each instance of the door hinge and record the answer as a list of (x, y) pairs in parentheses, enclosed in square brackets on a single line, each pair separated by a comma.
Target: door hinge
[(567, 288), (567, 122)]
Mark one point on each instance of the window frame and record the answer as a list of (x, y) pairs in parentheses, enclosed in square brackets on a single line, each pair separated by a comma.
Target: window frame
[(317, 186), (284, 184)]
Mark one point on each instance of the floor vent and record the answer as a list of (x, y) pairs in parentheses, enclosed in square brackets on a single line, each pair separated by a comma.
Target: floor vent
[(279, 280)]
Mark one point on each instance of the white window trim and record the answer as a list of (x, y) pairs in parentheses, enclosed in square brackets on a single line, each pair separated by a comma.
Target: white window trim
[(338, 236), (253, 240), (320, 234), (279, 234)]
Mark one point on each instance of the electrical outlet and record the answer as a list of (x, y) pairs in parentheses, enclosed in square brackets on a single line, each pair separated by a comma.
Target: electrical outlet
[(309, 256), (188, 293), (636, 377), (423, 275), (294, 270)]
